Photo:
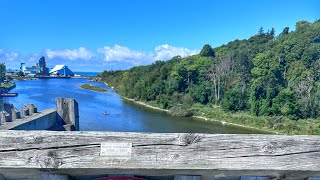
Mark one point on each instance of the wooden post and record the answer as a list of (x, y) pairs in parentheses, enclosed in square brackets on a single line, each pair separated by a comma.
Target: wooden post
[(68, 113), (25, 111), (32, 108), (8, 108), (15, 114), (5, 117)]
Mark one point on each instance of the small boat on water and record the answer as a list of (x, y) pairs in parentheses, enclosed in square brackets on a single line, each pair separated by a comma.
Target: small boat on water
[(105, 113)]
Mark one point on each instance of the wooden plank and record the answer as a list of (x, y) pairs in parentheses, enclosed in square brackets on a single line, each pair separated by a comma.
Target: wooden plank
[(184, 177), (228, 178), (209, 155), (254, 178)]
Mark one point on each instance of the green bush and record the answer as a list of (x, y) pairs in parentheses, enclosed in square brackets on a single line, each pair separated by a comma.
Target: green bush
[(181, 111)]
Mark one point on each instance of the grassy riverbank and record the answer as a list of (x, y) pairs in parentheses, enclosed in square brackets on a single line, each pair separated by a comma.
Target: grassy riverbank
[(277, 124), (93, 88), (7, 86), (274, 125)]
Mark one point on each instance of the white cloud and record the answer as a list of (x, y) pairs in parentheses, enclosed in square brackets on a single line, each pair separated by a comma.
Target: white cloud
[(123, 54), (81, 53), (119, 53), (108, 57), (166, 52), (8, 56)]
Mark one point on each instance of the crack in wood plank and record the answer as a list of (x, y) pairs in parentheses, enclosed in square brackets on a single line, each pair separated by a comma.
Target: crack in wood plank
[(276, 155), (50, 148)]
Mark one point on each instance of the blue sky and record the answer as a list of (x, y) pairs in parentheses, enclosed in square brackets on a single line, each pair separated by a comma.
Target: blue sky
[(94, 35)]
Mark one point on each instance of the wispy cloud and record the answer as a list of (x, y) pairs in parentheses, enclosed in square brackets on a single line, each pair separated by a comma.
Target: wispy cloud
[(166, 52), (81, 53), (8, 56), (119, 53)]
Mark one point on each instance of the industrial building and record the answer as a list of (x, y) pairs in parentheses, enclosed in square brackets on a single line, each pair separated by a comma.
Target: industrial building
[(39, 69), (61, 70)]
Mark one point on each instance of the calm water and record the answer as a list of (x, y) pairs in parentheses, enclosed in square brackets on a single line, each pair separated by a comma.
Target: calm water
[(123, 116), (87, 73)]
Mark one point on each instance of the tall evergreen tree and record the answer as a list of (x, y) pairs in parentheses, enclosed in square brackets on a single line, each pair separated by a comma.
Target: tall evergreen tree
[(207, 51), (285, 31), (272, 32), (261, 31)]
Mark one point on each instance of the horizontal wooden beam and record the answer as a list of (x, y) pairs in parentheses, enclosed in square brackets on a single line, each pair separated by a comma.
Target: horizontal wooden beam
[(205, 155)]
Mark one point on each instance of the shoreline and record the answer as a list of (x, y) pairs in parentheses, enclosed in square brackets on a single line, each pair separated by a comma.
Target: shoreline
[(234, 124), (145, 104), (197, 117), (91, 87), (7, 89)]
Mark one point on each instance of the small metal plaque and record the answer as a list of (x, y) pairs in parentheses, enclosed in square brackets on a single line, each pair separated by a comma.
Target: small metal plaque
[(116, 149)]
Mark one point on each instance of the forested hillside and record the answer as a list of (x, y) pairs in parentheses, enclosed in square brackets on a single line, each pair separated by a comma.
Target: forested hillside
[(266, 75)]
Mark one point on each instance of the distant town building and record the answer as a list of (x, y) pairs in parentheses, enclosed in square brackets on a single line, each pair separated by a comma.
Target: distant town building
[(61, 70), (23, 67), (43, 66), (37, 68)]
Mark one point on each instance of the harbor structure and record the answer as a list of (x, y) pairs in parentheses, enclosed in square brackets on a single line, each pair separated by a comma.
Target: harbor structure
[(23, 67), (61, 70)]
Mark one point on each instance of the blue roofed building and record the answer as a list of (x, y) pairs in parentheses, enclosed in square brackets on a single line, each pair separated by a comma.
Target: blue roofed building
[(61, 70)]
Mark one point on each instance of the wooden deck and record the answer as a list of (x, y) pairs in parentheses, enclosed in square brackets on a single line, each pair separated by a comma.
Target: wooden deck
[(29, 154)]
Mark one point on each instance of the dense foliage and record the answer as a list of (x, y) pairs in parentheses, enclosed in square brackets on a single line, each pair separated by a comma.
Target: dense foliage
[(266, 75), (2, 72)]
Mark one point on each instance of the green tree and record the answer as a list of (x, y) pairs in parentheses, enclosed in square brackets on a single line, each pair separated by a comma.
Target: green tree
[(286, 104), (207, 51), (2, 72), (20, 74), (234, 100), (187, 100), (266, 83), (285, 31), (261, 31), (272, 32)]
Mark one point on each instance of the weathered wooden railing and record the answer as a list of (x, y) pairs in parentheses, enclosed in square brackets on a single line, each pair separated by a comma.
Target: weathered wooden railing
[(43, 154)]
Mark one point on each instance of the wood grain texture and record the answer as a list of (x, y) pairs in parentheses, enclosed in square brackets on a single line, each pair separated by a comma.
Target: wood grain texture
[(208, 155), (183, 177)]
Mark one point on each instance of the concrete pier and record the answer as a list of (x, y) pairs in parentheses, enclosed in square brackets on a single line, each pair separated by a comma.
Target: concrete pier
[(64, 118)]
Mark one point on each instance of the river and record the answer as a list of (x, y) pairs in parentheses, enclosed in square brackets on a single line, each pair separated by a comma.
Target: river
[(123, 116)]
